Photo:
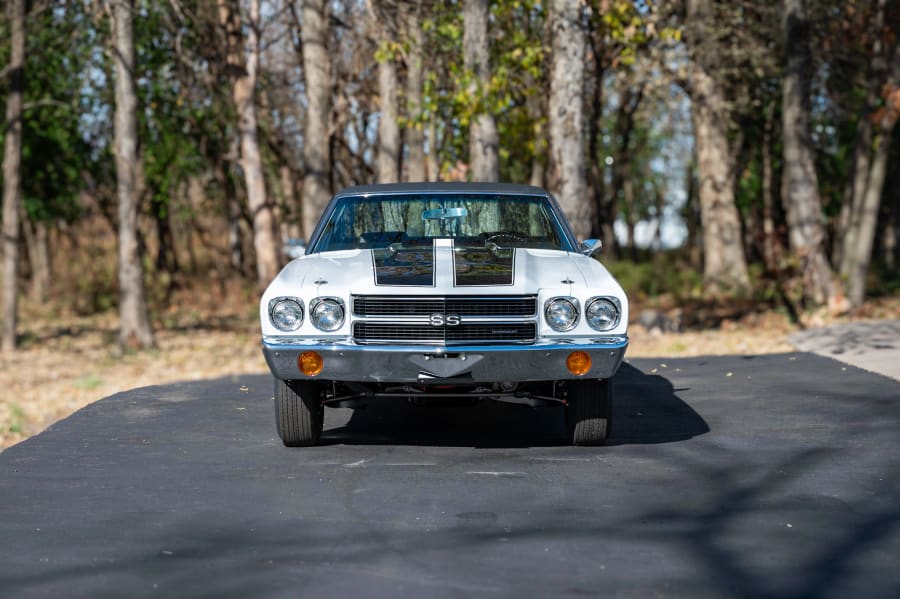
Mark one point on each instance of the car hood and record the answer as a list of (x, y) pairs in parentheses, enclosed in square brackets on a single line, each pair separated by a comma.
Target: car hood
[(443, 269)]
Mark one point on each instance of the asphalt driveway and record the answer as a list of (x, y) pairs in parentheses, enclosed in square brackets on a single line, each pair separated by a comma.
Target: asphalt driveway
[(772, 476)]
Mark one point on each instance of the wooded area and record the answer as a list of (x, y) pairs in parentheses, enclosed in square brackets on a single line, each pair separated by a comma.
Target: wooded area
[(151, 143)]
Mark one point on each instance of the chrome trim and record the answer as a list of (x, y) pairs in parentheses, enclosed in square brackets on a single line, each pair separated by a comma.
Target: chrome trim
[(418, 298), (444, 299), (344, 342), (541, 361), (424, 319), (437, 336)]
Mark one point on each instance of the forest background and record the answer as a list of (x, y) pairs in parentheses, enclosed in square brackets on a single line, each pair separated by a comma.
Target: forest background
[(161, 159)]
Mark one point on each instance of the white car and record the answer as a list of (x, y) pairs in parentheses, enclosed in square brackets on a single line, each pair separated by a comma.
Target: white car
[(433, 290)]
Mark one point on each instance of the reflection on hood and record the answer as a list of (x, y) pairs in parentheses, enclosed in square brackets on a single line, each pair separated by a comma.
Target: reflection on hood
[(472, 266), (413, 267), (483, 266)]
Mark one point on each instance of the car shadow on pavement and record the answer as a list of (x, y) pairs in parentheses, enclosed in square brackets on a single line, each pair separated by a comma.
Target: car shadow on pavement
[(646, 411)]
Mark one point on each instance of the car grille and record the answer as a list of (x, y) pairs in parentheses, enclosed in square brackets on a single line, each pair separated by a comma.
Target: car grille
[(410, 320), (365, 332), (464, 306)]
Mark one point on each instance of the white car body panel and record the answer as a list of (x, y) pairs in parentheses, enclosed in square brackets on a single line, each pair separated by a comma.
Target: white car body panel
[(343, 274)]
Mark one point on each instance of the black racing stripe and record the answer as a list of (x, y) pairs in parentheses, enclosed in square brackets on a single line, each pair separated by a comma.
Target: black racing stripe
[(483, 266), (404, 267)]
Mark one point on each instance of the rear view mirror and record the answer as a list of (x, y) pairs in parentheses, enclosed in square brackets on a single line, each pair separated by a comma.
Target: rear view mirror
[(444, 213)]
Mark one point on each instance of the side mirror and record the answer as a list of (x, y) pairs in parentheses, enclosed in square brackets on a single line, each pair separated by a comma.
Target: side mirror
[(589, 247)]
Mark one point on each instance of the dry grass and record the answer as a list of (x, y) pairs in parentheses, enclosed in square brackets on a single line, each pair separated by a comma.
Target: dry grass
[(70, 361)]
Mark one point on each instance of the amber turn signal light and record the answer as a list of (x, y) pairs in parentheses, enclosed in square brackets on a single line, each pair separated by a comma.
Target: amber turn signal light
[(578, 363), (310, 363)]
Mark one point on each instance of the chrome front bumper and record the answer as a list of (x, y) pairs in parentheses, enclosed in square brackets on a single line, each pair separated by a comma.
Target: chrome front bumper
[(541, 361)]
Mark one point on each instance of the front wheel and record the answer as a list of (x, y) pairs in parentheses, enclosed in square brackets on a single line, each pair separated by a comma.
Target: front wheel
[(299, 413), (589, 411)]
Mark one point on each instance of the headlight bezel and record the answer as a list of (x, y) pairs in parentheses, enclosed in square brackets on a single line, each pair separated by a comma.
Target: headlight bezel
[(617, 308), (576, 307), (327, 301), (274, 303)]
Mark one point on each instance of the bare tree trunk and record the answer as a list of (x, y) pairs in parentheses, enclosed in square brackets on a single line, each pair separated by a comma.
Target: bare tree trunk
[(630, 217), (166, 258), (889, 235), (388, 157), (536, 111), (233, 205), (244, 74), (724, 261), (289, 223), (388, 170), (871, 169), (431, 161), (12, 165), (38, 257), (536, 105), (567, 114), (691, 214), (415, 130), (135, 329), (388, 129), (484, 143), (768, 208), (604, 208), (849, 221), (853, 193), (800, 186), (859, 254), (317, 75)]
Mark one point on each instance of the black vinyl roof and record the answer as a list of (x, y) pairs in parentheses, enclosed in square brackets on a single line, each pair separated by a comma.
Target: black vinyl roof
[(442, 187)]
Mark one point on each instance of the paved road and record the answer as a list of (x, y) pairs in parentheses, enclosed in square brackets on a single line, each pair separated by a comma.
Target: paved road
[(772, 477)]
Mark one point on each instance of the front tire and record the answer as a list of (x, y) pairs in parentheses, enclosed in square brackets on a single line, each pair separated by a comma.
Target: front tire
[(299, 413), (589, 411)]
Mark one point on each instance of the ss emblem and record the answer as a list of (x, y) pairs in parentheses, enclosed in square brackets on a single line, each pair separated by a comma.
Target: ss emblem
[(437, 320)]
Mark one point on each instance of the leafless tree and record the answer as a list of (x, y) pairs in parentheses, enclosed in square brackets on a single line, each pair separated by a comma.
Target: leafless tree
[(244, 75), (725, 264), (567, 114), (317, 77), (12, 165), (135, 328), (800, 185), (484, 143)]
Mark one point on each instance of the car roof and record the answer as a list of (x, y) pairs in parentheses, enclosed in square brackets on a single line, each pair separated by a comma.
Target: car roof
[(442, 187)]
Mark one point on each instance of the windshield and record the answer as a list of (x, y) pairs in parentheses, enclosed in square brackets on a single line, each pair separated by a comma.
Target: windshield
[(471, 220)]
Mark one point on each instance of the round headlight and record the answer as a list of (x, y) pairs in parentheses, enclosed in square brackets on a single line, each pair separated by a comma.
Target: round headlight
[(561, 314), (287, 315), (602, 314), (327, 314)]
